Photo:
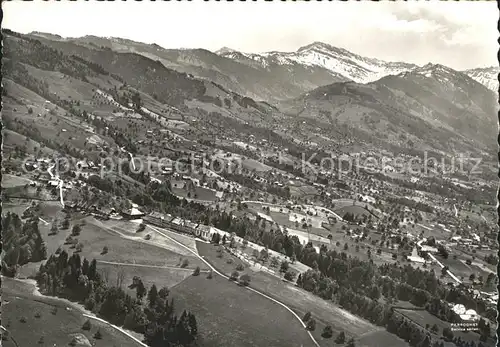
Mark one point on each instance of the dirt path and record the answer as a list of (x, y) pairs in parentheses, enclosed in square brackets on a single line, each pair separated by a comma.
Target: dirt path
[(44, 221), (116, 327), (251, 289), (60, 184), (442, 266)]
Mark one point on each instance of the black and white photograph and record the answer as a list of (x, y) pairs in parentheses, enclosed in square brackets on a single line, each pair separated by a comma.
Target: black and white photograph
[(249, 173)]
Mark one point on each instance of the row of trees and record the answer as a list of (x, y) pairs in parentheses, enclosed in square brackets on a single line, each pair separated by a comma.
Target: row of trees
[(79, 280)]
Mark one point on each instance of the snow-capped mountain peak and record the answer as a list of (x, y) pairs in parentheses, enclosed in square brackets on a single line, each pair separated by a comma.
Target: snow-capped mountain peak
[(488, 76), (225, 50), (347, 65), (338, 61), (437, 71)]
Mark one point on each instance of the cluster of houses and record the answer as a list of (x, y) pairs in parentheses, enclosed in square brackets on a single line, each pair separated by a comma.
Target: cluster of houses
[(104, 212)]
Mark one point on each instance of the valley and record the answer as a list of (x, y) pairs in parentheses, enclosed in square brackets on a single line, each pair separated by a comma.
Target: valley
[(183, 197)]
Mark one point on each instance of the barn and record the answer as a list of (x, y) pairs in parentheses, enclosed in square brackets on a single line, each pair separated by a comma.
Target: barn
[(132, 213)]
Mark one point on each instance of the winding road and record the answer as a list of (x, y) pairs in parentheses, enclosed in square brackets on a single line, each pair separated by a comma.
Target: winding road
[(117, 328), (77, 307), (440, 264), (60, 185), (131, 157)]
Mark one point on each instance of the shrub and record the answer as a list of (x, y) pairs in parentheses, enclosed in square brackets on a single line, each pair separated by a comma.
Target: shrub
[(65, 224), (185, 263), (340, 338), (306, 317), (98, 335), (23, 319), (104, 250), (76, 230), (234, 275), (210, 275), (240, 267), (327, 332), (447, 334), (290, 276), (38, 315), (196, 271), (311, 325), (245, 279)]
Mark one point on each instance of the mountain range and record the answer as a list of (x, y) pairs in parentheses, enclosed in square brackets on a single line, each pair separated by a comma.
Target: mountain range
[(342, 62), (320, 93), (271, 76), (488, 76), (430, 107)]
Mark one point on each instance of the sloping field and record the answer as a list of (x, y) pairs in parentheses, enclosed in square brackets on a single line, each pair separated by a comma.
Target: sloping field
[(124, 250), (10, 181), (11, 139), (199, 193), (303, 191), (130, 228), (380, 338), (161, 277), (460, 268), (232, 316), (305, 237), (183, 239), (16, 206), (358, 211), (301, 301), (50, 120), (423, 317), (50, 209)]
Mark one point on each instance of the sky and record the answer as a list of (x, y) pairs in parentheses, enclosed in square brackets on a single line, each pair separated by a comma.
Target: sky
[(460, 35)]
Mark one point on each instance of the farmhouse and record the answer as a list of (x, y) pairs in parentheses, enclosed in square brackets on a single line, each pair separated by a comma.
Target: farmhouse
[(70, 206), (82, 165), (203, 231), (425, 248), (415, 258), (53, 183)]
